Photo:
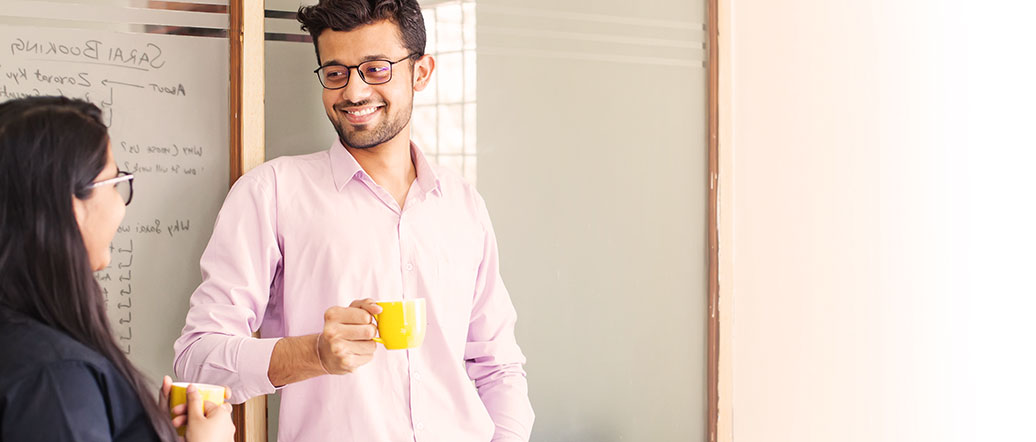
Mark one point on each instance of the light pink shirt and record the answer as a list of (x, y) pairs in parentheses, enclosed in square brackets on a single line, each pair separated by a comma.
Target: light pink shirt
[(300, 234)]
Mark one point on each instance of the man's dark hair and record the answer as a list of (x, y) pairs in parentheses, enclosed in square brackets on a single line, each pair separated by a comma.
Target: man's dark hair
[(346, 15)]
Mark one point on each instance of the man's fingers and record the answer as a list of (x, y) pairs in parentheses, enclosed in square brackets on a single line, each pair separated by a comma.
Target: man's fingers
[(334, 313), (363, 348), (344, 355), (347, 315), (178, 421), (351, 332), (348, 355), (179, 410), (360, 302), (347, 336), (341, 348), (367, 304)]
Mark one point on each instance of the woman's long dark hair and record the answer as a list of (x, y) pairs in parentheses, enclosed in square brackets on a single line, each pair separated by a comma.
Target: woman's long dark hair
[(51, 149)]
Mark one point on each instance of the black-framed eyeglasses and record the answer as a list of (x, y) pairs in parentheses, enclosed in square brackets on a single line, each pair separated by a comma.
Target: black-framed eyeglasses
[(123, 183), (373, 72)]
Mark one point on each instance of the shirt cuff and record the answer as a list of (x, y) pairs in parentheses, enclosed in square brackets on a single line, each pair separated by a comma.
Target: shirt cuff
[(253, 361)]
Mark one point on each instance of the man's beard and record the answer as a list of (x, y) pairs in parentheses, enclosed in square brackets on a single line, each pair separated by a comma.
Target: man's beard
[(380, 134)]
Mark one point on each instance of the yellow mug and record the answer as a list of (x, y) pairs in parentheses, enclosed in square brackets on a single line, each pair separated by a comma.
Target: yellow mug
[(401, 324), (178, 395)]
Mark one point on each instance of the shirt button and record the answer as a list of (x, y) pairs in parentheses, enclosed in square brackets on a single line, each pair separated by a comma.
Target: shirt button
[(420, 427), (417, 376), (409, 266)]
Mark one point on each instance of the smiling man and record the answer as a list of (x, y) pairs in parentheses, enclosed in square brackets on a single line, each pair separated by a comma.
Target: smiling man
[(304, 247)]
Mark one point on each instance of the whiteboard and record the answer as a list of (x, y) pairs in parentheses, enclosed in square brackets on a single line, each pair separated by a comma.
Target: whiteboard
[(165, 100)]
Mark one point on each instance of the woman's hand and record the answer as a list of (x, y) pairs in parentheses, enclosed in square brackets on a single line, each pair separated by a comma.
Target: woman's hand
[(205, 421)]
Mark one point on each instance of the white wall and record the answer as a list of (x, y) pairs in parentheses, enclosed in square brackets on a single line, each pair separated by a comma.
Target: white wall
[(296, 123), (878, 219)]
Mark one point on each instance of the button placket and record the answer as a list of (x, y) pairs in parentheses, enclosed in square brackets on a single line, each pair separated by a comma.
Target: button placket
[(404, 254), (416, 405)]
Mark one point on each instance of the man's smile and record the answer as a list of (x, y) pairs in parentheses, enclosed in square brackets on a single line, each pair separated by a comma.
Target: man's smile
[(360, 114)]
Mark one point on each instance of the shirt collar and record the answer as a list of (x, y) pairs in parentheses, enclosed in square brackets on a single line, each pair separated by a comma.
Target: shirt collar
[(345, 168), (427, 179)]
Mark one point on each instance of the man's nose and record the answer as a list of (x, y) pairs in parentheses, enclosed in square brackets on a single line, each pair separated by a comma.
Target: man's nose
[(356, 90)]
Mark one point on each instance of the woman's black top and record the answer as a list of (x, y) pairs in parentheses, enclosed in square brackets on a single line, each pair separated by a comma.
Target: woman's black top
[(52, 388)]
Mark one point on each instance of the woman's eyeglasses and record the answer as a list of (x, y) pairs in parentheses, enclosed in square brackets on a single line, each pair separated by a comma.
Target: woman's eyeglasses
[(123, 183)]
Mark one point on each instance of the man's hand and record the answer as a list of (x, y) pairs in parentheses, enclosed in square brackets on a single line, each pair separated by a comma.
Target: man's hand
[(345, 344)]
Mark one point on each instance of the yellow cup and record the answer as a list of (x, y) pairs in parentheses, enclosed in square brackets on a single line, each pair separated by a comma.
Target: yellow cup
[(401, 324), (178, 395)]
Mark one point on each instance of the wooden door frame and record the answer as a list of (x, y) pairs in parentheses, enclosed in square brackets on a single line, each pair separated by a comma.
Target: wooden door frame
[(247, 146), (721, 303), (717, 381)]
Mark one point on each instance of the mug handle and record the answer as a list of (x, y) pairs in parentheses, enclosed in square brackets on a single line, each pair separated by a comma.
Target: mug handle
[(376, 338)]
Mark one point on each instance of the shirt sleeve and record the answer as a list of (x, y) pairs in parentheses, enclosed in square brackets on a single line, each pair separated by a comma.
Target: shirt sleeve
[(494, 360), (238, 267), (63, 402)]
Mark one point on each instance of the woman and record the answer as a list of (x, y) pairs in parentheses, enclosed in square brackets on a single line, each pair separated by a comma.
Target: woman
[(62, 376)]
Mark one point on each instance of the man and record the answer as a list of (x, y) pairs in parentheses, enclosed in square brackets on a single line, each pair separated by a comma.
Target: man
[(370, 219)]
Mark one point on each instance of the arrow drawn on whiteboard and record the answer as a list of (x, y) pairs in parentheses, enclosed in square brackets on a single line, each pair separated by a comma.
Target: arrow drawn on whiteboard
[(125, 265), (111, 98), (126, 291), (126, 338), (122, 250), (128, 304), (127, 319), (108, 104), (127, 277), (106, 82)]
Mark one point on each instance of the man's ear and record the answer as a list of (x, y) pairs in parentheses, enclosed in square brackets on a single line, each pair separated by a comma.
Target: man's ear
[(423, 68)]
